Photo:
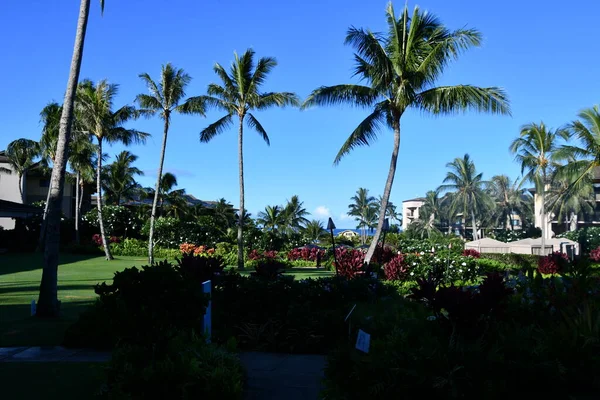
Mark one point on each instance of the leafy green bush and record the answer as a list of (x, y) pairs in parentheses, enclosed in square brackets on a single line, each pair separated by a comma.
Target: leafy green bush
[(118, 221), (588, 238), (489, 265), (228, 252), (171, 232), (141, 306), (284, 315), (184, 368), (139, 248), (514, 261)]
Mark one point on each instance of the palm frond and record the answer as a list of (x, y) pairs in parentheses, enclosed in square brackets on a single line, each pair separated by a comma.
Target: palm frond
[(360, 96), (215, 128), (280, 99), (365, 133), (254, 124), (452, 99)]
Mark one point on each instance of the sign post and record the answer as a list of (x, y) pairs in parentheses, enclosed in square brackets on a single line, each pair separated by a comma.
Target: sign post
[(331, 227), (206, 288)]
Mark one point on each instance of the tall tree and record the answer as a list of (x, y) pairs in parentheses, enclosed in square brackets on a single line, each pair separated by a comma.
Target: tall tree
[(400, 69), (294, 215), (535, 149), (21, 154), (81, 160), (272, 218), (510, 198), (118, 180), (314, 230), (361, 209), (239, 96), (431, 212), (567, 201), (48, 299), (96, 117), (166, 97), (469, 189)]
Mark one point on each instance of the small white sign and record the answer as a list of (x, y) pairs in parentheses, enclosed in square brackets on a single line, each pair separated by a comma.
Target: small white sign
[(363, 341)]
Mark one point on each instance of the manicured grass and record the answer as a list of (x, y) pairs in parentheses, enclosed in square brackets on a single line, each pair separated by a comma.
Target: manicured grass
[(51, 381), (20, 276)]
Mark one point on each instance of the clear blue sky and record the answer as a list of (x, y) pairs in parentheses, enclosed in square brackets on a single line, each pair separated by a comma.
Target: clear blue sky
[(544, 55)]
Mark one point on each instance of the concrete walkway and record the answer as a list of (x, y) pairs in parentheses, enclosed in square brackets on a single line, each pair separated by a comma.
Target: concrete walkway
[(270, 376)]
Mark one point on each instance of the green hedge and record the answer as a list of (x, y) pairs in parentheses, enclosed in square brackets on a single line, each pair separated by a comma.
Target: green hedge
[(139, 248), (511, 260)]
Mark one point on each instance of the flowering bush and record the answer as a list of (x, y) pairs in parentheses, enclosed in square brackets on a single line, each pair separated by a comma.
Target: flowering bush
[(595, 255), (190, 248), (187, 248), (382, 255), (448, 267), (305, 253), (267, 264), (349, 262), (97, 239), (471, 253), (396, 269), (118, 221), (588, 238), (553, 263)]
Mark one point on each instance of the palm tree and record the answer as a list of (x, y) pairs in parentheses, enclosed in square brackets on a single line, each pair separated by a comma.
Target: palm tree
[(21, 154), (400, 70), (361, 208), (535, 150), (469, 189), (48, 299), (224, 213), (165, 98), (585, 158), (510, 198), (82, 163), (294, 215), (119, 178), (431, 210), (238, 96), (567, 201), (314, 230), (96, 117), (272, 218)]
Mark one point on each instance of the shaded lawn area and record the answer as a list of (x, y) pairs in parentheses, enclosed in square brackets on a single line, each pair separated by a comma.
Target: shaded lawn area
[(52, 380), (20, 276)]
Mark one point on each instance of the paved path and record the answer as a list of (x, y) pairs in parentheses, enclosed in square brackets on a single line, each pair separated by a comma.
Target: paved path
[(270, 376)]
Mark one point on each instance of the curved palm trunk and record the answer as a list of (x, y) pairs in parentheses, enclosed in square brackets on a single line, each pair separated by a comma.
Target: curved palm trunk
[(543, 219), (21, 188), (474, 222), (99, 203), (77, 196), (156, 190), (240, 237), (386, 193), (48, 305), (42, 236), (573, 222)]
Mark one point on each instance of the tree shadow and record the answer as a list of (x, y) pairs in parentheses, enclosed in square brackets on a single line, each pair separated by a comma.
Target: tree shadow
[(11, 263)]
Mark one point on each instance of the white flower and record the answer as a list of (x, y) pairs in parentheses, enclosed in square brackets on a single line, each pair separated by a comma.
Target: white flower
[(460, 270), (464, 264), (412, 273)]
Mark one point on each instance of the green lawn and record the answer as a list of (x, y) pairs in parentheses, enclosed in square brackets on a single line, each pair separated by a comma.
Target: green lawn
[(20, 276)]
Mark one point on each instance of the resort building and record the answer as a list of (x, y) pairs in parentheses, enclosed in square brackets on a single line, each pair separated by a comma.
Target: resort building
[(410, 211)]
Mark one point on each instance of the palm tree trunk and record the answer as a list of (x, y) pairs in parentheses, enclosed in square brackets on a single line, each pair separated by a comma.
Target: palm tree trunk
[(543, 219), (240, 237), (474, 224), (48, 305), (386, 192), (156, 190), (99, 202), (42, 236), (77, 196), (573, 222), (21, 188)]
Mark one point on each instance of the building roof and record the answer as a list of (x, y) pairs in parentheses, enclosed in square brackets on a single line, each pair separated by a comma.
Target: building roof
[(10, 209), (486, 242), (3, 158), (415, 199)]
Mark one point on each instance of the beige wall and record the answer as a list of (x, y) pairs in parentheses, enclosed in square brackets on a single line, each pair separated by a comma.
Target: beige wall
[(410, 212), (9, 190)]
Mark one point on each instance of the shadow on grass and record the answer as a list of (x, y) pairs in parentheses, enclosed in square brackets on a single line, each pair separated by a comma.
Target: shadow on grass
[(11, 263), (34, 288), (19, 328)]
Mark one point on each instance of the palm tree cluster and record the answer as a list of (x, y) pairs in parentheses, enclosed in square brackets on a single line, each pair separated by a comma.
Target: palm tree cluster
[(365, 210), (287, 219)]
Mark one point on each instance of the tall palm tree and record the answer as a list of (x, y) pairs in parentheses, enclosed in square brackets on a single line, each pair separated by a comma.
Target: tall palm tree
[(239, 96), (272, 218), (21, 154), (582, 159), (294, 215), (224, 213), (48, 299), (431, 210), (535, 149), (118, 179), (81, 160), (567, 201), (96, 117), (469, 189), (510, 198), (361, 208), (166, 98), (314, 230), (400, 69)]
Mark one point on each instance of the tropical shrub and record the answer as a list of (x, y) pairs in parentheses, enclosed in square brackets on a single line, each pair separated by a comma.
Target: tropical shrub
[(118, 221), (228, 252), (516, 261), (183, 368), (553, 263), (268, 264), (200, 267), (471, 253), (595, 254), (382, 255), (141, 306), (171, 232), (139, 248), (396, 269), (588, 238), (349, 263), (305, 253), (97, 239)]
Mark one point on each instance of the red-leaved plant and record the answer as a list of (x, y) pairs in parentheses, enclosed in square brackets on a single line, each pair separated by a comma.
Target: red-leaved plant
[(595, 255), (350, 262), (305, 253), (396, 269), (382, 255), (471, 253), (553, 263)]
